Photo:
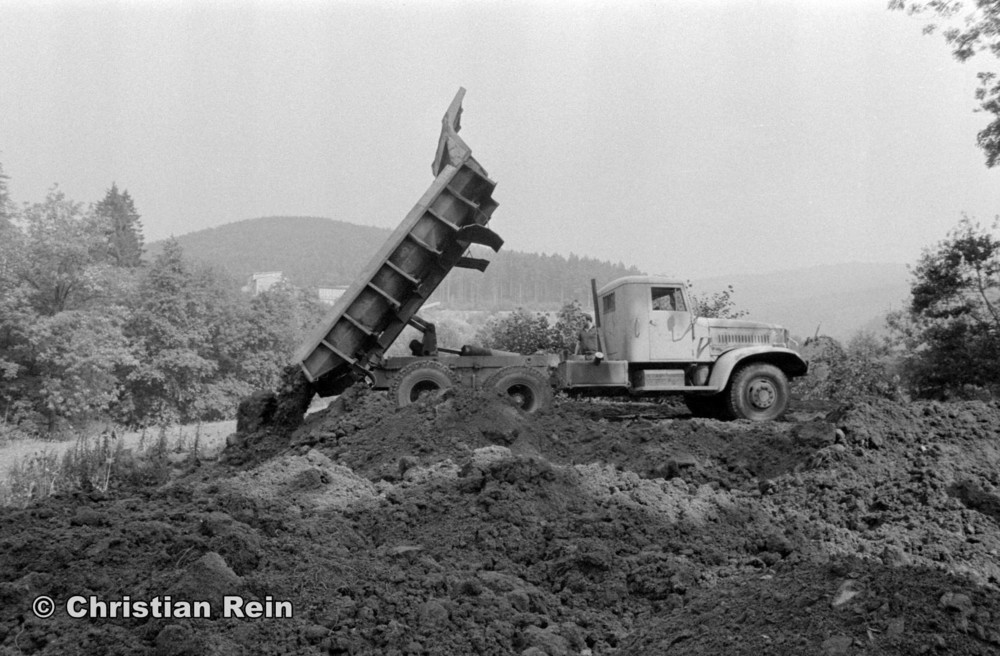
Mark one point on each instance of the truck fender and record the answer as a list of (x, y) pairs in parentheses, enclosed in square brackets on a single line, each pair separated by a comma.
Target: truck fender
[(790, 362)]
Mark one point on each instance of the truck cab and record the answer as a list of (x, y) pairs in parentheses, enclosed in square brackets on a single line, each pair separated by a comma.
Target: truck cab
[(653, 342), (647, 319)]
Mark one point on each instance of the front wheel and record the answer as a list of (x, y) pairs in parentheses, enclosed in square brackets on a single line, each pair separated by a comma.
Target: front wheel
[(758, 392), (526, 387)]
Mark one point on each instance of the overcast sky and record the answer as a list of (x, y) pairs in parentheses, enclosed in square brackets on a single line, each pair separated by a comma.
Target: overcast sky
[(687, 138)]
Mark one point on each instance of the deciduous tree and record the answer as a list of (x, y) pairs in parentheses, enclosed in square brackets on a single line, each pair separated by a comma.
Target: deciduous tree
[(570, 320), (951, 330), (525, 332), (61, 345), (969, 28), (519, 331), (202, 344), (75, 359), (718, 305), (58, 241)]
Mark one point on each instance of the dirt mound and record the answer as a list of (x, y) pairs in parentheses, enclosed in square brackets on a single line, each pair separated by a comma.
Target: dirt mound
[(308, 480), (846, 606), (368, 434), (465, 526)]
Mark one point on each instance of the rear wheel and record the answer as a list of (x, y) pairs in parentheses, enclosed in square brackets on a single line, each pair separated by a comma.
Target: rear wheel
[(758, 392), (526, 387), (704, 406), (419, 380)]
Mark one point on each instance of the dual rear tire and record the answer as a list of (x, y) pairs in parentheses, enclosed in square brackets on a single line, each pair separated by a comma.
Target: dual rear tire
[(419, 380), (526, 387)]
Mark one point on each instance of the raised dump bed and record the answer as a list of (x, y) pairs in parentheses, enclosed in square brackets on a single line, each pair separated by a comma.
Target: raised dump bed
[(427, 245)]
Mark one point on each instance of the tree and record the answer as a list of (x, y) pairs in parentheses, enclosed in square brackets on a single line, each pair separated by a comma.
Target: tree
[(171, 328), (123, 241), (16, 318), (202, 344), (523, 332), (951, 330), (6, 207), (570, 320), (969, 33), (58, 242), (719, 305), (76, 356), (960, 277), (11, 253), (61, 344), (260, 333), (519, 331)]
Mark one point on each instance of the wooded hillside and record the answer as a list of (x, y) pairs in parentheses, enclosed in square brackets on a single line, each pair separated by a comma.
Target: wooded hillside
[(315, 252)]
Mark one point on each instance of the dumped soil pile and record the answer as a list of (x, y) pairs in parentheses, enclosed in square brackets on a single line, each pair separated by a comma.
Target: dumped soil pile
[(462, 526)]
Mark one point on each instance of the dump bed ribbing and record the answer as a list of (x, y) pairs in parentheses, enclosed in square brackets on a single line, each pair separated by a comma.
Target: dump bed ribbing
[(432, 239)]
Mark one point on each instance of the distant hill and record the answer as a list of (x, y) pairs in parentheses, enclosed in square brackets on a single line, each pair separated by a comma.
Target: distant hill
[(313, 252), (839, 299), (310, 251)]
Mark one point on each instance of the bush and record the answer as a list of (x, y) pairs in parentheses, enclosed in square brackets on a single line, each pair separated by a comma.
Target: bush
[(527, 333), (520, 332), (866, 368)]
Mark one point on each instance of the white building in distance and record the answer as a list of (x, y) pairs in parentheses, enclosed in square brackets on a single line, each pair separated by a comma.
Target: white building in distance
[(263, 281)]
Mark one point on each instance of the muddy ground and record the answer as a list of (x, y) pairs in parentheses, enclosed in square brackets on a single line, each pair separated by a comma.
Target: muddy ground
[(464, 527)]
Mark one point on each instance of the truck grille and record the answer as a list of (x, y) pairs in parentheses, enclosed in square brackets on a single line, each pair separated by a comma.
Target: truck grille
[(728, 338)]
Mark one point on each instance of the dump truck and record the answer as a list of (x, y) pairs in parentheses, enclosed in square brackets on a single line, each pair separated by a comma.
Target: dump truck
[(648, 339)]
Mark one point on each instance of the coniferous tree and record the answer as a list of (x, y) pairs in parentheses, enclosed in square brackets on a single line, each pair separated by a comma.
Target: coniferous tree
[(122, 228), (170, 327)]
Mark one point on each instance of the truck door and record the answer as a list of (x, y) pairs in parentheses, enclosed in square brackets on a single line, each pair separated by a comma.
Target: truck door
[(611, 341), (671, 336)]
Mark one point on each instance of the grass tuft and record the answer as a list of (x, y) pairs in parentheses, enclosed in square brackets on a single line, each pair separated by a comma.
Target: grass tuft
[(98, 462)]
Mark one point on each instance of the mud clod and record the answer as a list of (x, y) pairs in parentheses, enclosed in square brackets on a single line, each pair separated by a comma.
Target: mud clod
[(209, 579), (177, 640)]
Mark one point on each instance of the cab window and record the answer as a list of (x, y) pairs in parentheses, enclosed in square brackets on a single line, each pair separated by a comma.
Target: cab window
[(609, 303), (668, 299)]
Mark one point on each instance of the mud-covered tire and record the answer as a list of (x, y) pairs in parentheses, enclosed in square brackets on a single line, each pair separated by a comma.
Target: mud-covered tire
[(419, 379), (526, 387), (710, 407), (758, 392)]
